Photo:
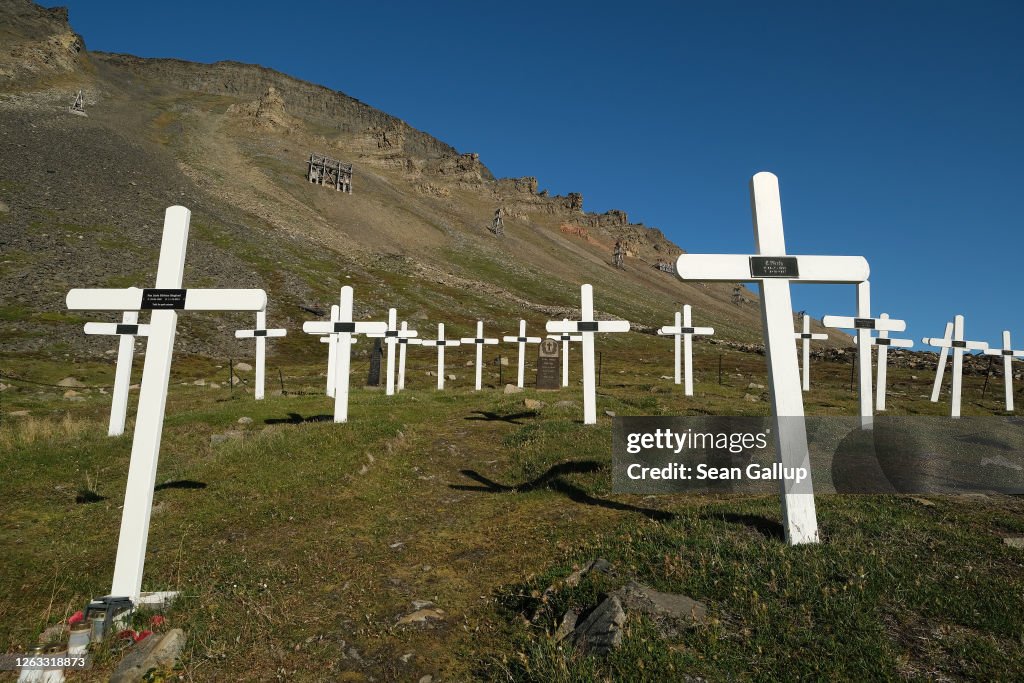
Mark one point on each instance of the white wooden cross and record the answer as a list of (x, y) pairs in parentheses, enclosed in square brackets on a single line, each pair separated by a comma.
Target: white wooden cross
[(883, 342), (565, 338), (1008, 355), (127, 329), (339, 334), (165, 300), (391, 336), (479, 341), (863, 324), (260, 333), (440, 343), (587, 326), (774, 271), (959, 345), (522, 340), (941, 367), (404, 339), (683, 331), (807, 336)]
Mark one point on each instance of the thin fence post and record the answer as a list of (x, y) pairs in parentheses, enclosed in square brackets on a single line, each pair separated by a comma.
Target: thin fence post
[(231, 376), (853, 370), (280, 376), (600, 362), (719, 369)]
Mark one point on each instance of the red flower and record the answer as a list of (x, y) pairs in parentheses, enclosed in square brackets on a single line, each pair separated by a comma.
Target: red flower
[(75, 618), (142, 635), (126, 634), (157, 620)]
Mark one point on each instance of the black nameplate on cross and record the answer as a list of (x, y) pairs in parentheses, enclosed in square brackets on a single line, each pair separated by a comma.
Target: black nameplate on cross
[(391, 333), (478, 341), (344, 327), (586, 326), (685, 330), (259, 333), (1007, 352), (864, 323), (126, 329), (774, 266), (882, 341), (403, 340), (161, 299), (806, 335), (959, 344)]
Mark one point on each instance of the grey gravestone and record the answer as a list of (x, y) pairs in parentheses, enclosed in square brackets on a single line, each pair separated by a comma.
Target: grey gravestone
[(373, 379), (549, 366)]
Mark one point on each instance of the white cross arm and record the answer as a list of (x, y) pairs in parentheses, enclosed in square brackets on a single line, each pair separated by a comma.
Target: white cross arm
[(117, 328), (328, 340), (741, 268), (845, 322), (587, 326), (941, 343), (528, 340), (670, 330), (566, 337), (1003, 352), (441, 342), (329, 327), (886, 341), (135, 299), (247, 334), (400, 334), (810, 335), (478, 340)]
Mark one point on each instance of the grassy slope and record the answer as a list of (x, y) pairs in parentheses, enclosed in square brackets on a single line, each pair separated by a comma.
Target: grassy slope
[(309, 539)]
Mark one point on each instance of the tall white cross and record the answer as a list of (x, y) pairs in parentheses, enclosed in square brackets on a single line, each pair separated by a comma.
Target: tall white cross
[(587, 326), (863, 325), (683, 331), (1008, 355), (883, 342), (959, 346), (127, 330), (940, 369), (522, 340), (391, 336), (260, 333), (404, 339), (479, 341), (565, 338), (165, 300), (773, 270), (339, 334), (807, 336), (440, 343)]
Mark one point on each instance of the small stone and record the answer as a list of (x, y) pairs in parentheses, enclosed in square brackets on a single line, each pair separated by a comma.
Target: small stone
[(19, 413), (533, 404), (244, 420), (243, 367), (71, 393), (601, 631), (922, 501), (70, 382), (158, 651), (422, 616), (451, 377), (565, 629), (751, 398), (504, 361), (754, 385), (214, 385), (200, 383), (566, 404), (470, 363), (665, 377), (431, 373), (1014, 541), (512, 389), (426, 679), (610, 413)]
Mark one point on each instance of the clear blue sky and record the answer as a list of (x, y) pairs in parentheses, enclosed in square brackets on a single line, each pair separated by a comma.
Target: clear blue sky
[(895, 127)]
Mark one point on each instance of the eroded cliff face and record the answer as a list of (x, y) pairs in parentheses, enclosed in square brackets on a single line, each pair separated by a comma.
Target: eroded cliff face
[(36, 43)]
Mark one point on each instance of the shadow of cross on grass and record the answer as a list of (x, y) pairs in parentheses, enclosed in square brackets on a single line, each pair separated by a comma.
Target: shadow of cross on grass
[(553, 479), (296, 419), (511, 418)]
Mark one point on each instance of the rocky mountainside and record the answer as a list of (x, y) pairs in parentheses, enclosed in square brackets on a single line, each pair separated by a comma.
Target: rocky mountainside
[(82, 200)]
